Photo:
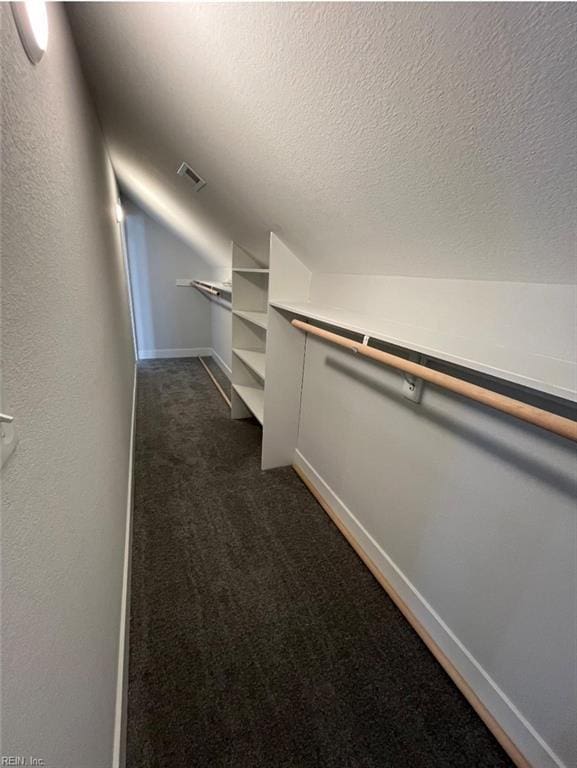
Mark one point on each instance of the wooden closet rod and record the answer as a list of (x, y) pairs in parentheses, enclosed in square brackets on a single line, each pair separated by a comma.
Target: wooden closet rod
[(559, 425), (205, 288)]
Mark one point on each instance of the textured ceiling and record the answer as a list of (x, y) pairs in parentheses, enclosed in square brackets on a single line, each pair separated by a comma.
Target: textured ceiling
[(409, 139)]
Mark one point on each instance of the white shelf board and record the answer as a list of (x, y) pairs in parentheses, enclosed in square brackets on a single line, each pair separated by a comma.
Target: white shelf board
[(537, 371), (253, 359), (258, 318), (253, 398), (251, 269)]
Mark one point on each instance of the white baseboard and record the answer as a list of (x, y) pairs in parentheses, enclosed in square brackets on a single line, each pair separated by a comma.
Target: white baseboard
[(520, 732), (159, 354), (119, 744), (221, 364)]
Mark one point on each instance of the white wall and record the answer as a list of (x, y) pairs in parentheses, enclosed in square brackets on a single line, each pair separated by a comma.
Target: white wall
[(526, 332), (472, 516), (170, 321), (67, 368)]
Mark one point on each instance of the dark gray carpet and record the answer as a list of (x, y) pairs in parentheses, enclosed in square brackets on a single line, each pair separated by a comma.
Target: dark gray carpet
[(258, 639)]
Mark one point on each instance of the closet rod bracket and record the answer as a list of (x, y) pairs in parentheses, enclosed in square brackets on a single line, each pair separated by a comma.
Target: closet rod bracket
[(412, 385)]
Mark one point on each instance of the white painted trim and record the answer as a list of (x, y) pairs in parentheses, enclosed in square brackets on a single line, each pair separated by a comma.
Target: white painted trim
[(220, 362), (517, 727), (118, 750), (157, 354)]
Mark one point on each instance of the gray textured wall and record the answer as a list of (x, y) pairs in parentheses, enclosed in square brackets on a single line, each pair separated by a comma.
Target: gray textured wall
[(420, 139), (472, 516), (67, 367), (167, 317)]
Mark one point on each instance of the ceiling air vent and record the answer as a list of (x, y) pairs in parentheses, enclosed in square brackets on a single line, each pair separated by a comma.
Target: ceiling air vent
[(198, 181)]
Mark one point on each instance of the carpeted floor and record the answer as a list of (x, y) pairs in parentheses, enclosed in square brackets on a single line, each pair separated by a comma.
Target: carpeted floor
[(258, 639)]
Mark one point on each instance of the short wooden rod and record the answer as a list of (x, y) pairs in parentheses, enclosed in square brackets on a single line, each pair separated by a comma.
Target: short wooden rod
[(559, 425)]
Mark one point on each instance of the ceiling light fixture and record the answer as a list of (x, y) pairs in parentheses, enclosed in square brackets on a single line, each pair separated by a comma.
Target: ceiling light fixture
[(31, 19)]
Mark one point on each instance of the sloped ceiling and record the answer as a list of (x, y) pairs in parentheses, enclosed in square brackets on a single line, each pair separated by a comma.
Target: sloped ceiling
[(407, 139)]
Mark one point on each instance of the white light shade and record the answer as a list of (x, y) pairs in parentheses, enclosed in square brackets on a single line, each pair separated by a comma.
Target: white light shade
[(32, 22), (38, 16)]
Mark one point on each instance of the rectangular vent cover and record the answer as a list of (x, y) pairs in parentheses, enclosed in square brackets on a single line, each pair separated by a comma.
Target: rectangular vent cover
[(198, 181)]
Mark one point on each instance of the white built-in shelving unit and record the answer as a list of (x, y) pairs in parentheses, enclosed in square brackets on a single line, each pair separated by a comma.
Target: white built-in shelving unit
[(269, 353), (256, 318), (254, 360), (250, 278)]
